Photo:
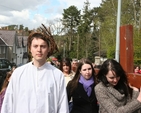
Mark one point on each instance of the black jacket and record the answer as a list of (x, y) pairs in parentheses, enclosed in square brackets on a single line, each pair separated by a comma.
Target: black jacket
[(81, 102)]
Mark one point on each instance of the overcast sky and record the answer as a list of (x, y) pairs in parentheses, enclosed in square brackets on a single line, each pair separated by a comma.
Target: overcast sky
[(31, 13)]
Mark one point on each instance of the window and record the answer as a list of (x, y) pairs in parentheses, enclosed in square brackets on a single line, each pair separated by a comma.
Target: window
[(3, 50), (0, 49)]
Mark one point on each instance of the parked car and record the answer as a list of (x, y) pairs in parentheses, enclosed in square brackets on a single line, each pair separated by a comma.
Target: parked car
[(5, 65)]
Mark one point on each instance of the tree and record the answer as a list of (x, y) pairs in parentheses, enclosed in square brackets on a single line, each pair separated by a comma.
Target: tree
[(85, 31), (71, 20), (21, 27), (12, 27)]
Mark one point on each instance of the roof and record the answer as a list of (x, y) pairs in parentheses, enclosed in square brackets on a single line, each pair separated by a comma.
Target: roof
[(2, 43), (7, 37)]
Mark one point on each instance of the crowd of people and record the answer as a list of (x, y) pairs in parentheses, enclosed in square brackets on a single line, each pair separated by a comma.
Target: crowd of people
[(71, 87)]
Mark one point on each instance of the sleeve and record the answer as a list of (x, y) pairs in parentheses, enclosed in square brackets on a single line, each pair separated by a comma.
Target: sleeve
[(107, 104), (7, 106), (135, 94), (63, 100)]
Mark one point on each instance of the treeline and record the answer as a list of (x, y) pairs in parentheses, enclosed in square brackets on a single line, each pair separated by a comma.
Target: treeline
[(92, 31), (95, 29)]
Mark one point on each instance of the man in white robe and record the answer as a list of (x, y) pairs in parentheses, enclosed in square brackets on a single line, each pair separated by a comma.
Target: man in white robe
[(36, 87)]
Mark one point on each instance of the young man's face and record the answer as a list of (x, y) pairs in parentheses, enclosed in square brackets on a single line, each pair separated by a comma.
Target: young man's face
[(39, 50)]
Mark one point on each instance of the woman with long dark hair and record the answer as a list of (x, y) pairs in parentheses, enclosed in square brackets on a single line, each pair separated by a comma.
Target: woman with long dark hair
[(65, 67), (113, 92), (81, 88)]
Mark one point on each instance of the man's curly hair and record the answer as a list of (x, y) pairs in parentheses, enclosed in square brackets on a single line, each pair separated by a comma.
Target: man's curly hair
[(44, 34)]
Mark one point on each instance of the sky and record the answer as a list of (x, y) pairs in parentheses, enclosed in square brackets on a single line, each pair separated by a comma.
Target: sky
[(31, 13)]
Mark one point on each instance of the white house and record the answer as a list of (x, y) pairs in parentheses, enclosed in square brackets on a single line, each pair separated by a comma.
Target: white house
[(13, 47)]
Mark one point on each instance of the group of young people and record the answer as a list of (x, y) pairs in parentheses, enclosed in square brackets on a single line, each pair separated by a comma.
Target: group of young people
[(108, 91), (39, 87)]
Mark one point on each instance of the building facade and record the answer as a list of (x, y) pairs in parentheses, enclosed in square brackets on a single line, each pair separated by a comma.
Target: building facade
[(13, 46)]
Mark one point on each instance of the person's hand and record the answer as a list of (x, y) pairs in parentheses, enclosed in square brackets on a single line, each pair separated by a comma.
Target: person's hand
[(139, 96), (134, 88)]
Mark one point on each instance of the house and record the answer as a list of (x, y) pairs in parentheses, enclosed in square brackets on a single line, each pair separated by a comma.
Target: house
[(100, 57), (13, 46), (21, 50), (7, 39)]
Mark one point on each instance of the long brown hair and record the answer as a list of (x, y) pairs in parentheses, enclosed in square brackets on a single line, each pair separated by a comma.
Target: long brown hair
[(6, 81), (74, 82)]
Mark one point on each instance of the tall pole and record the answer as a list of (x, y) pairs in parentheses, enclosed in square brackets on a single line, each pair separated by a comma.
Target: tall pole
[(99, 43), (118, 31)]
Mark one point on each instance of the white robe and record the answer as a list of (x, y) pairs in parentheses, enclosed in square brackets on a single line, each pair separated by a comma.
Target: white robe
[(36, 90)]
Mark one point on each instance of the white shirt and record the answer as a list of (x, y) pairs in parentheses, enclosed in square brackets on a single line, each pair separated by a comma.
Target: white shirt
[(36, 90), (68, 77)]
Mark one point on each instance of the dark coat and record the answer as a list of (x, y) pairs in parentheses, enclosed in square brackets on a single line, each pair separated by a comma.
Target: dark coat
[(81, 102)]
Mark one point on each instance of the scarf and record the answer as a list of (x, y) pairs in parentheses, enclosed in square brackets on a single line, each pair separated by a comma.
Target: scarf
[(87, 84)]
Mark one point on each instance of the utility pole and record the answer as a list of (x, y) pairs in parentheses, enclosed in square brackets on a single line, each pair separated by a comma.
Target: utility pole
[(118, 32), (99, 42)]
